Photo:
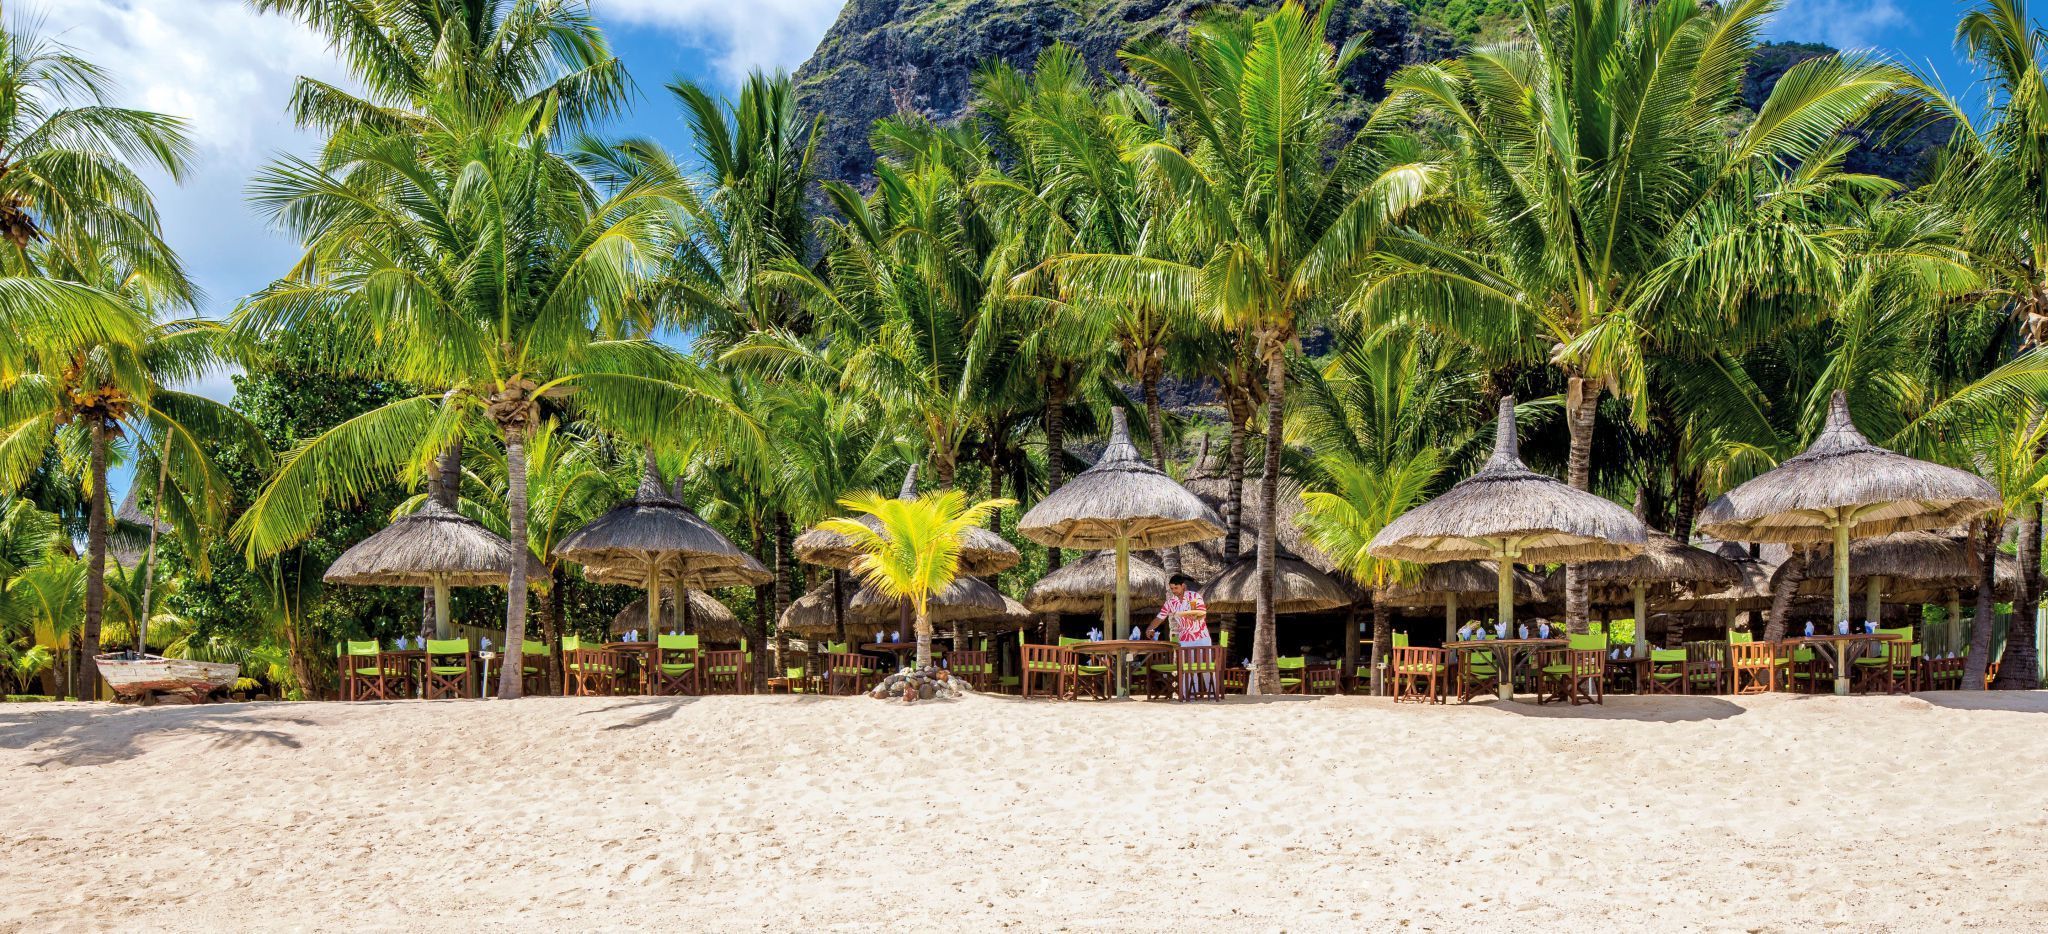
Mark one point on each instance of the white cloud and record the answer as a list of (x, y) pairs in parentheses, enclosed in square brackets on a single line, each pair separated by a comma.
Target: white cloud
[(741, 34), (1845, 24), (228, 72)]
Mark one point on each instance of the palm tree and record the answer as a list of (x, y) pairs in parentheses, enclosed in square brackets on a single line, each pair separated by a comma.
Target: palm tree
[(93, 395), (470, 261), (1381, 413), (915, 551), (491, 57), (1620, 200), (1264, 222)]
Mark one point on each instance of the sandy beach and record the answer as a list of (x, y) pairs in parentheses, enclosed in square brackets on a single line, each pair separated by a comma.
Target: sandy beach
[(743, 813)]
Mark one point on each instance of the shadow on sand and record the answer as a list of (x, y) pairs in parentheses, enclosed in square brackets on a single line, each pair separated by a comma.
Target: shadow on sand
[(100, 734), (653, 710), (1680, 709), (2015, 701)]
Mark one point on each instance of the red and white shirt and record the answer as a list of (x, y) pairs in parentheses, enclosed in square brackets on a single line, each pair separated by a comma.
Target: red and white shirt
[(1186, 628)]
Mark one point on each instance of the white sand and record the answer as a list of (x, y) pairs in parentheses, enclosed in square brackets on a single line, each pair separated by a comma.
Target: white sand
[(1772, 813)]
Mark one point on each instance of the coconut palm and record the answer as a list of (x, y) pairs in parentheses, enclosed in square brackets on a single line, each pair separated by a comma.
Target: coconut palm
[(96, 395), (492, 56), (914, 553), (1621, 200), (1265, 215), (467, 260)]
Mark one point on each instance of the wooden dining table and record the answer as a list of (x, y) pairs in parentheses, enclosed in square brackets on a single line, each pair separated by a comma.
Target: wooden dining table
[(1120, 652), (1838, 649), (641, 654), (1511, 650)]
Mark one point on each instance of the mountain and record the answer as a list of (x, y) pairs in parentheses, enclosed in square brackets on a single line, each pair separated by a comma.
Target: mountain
[(886, 56)]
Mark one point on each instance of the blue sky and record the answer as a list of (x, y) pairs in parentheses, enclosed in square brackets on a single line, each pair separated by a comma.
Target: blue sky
[(229, 72)]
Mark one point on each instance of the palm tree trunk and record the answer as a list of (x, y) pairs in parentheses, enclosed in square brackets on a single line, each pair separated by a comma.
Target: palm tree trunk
[(156, 518), (1382, 644), (1979, 662), (515, 530), (1155, 425), (1055, 477), (1782, 592), (551, 620), (1582, 402), (784, 571), (924, 638), (444, 487), (1265, 674), (95, 564), (1233, 503), (2022, 656)]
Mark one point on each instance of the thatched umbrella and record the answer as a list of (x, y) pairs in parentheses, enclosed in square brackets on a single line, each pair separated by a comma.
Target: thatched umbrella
[(649, 538), (434, 546), (702, 614), (1120, 503), (982, 552), (813, 614), (676, 573), (1089, 585), (1909, 567), (966, 598), (1666, 563), (1508, 513), (1842, 488), (1451, 582), (1299, 588)]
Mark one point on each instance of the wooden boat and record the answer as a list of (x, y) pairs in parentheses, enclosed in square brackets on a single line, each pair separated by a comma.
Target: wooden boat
[(136, 675)]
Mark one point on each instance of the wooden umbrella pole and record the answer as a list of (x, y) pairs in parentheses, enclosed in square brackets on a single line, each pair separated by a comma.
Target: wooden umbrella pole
[(1450, 617), (1841, 529), (1509, 551), (1641, 594), (653, 598), (1123, 609), (442, 627)]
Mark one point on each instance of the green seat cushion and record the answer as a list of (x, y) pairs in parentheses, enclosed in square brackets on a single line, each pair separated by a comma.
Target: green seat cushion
[(1420, 669), (1557, 669), (1042, 666), (1871, 662), (449, 669), (1483, 670), (1666, 675), (675, 669), (367, 671), (1094, 669)]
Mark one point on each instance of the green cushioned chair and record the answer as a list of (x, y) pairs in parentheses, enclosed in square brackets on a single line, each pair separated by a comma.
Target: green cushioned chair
[(1665, 679), (449, 666), (1293, 673), (364, 676)]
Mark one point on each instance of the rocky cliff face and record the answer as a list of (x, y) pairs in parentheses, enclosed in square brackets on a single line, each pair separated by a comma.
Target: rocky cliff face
[(886, 56)]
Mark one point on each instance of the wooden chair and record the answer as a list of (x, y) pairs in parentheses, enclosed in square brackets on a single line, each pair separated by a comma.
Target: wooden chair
[(1236, 680), (1322, 679), (1041, 662), (1668, 671), (1419, 676), (1890, 671), (1293, 673), (675, 666), (725, 672), (1942, 674), (450, 666), (1478, 674), (589, 671), (533, 666), (972, 667), (1706, 667), (365, 675), (848, 673), (1575, 674), (1753, 667), (1196, 671)]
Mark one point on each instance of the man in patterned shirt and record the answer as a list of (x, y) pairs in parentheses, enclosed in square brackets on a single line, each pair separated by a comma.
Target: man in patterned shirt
[(1185, 608)]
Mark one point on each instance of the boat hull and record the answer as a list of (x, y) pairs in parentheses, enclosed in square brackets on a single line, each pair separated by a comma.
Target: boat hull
[(132, 676)]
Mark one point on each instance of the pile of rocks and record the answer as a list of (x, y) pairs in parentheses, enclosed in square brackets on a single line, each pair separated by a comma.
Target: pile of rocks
[(916, 684)]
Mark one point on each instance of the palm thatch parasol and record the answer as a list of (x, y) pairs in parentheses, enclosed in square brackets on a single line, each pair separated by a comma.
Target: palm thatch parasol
[(1667, 564), (1120, 503), (966, 598), (677, 574), (702, 614), (1453, 582), (1843, 487), (982, 552), (1089, 586), (434, 546), (1507, 513), (1299, 587), (649, 538), (1908, 567), (812, 614)]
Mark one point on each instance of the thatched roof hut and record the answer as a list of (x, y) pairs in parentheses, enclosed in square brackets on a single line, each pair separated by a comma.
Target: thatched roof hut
[(1666, 563), (1508, 508), (1298, 587), (651, 529), (1507, 512), (1120, 503), (1905, 567), (967, 598), (982, 552), (1844, 482), (433, 544), (1084, 586), (1463, 581), (811, 615), (705, 616)]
